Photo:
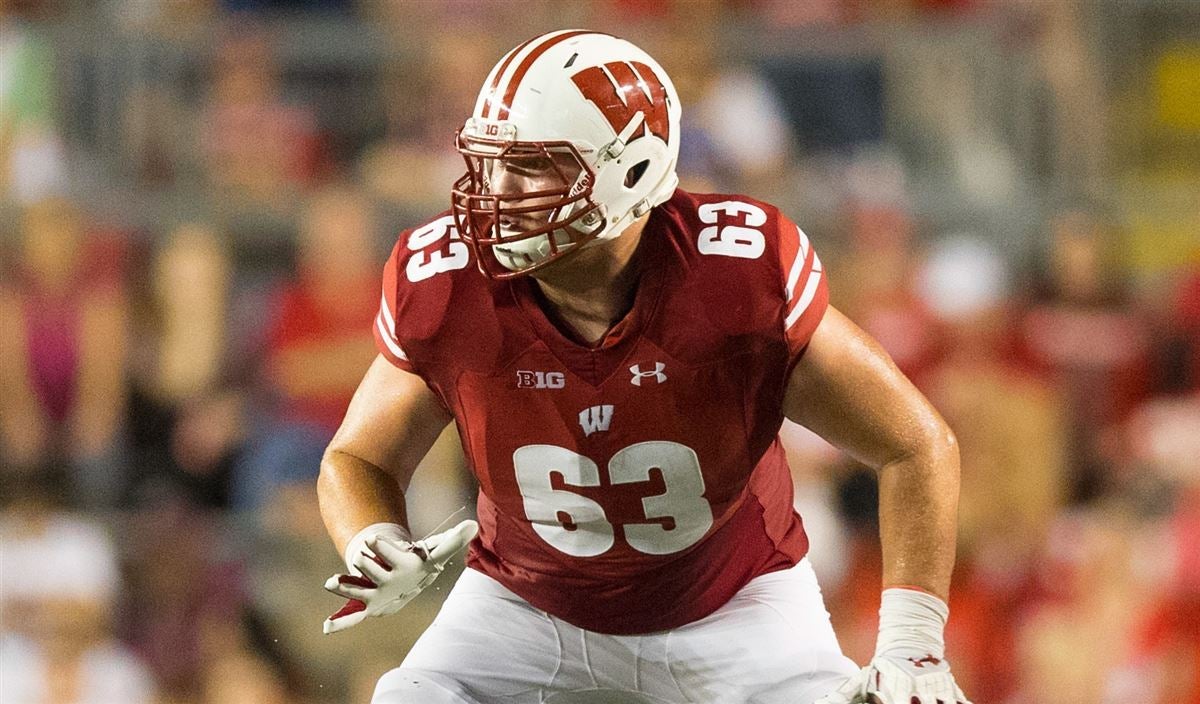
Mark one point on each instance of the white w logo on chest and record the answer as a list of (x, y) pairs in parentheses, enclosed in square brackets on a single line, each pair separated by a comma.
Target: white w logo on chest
[(595, 418)]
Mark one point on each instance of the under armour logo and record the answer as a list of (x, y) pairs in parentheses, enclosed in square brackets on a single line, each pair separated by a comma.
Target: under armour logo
[(638, 374), (927, 659), (595, 418)]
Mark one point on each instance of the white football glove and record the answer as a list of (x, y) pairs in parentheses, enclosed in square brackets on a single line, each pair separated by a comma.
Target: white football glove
[(909, 666), (387, 570)]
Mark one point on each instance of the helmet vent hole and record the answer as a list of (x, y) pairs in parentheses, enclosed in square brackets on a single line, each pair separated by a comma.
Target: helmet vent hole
[(635, 173)]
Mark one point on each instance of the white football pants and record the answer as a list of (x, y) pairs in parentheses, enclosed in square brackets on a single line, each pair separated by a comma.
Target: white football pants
[(772, 643)]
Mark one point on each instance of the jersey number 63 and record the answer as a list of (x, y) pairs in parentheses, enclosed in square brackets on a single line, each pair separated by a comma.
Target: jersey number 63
[(577, 525)]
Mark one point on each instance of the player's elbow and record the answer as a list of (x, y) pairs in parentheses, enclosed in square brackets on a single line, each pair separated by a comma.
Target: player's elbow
[(327, 476), (939, 450), (945, 446), (934, 445), (336, 467)]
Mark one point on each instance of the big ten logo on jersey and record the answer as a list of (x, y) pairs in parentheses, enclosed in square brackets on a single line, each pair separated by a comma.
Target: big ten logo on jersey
[(437, 248), (541, 380), (733, 229)]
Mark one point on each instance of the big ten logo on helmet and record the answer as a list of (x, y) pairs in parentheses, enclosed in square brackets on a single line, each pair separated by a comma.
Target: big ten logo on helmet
[(491, 130), (621, 90), (541, 380)]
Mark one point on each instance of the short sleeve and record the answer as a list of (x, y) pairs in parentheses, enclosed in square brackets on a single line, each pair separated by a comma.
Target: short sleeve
[(386, 339), (805, 290)]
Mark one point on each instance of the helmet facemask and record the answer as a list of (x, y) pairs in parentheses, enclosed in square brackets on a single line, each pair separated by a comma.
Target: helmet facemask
[(546, 216)]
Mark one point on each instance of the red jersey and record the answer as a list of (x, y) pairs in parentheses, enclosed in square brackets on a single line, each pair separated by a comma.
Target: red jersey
[(636, 485)]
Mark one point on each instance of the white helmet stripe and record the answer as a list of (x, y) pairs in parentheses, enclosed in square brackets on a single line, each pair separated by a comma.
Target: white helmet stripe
[(488, 96), (502, 100)]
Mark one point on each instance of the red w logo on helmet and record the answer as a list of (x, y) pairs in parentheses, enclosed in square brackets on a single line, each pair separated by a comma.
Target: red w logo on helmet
[(623, 90)]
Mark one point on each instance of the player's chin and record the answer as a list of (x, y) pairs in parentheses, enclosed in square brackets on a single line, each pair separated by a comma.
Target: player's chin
[(517, 261), (536, 260)]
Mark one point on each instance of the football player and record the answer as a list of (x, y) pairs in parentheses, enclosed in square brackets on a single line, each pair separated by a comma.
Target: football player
[(617, 355)]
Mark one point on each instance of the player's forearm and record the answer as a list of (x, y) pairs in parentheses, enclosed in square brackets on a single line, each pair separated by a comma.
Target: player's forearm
[(918, 515), (354, 494)]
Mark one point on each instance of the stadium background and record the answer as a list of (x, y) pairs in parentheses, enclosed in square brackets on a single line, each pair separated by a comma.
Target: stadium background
[(196, 197)]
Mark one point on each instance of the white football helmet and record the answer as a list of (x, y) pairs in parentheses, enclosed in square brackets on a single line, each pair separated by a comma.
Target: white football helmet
[(591, 123)]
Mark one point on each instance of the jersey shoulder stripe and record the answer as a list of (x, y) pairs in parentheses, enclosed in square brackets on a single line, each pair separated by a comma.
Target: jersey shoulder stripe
[(738, 237)]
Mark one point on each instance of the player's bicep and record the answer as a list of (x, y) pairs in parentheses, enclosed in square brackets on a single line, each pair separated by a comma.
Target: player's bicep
[(392, 421), (846, 389)]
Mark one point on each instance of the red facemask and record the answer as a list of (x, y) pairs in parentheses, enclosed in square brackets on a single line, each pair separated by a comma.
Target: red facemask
[(547, 214)]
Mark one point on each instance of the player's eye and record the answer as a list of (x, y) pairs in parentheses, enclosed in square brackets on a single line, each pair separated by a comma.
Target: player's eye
[(530, 166)]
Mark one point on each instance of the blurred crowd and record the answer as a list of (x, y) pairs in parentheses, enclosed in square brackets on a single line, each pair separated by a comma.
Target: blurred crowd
[(189, 259)]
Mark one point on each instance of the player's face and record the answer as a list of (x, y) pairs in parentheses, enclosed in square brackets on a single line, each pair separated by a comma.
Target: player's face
[(527, 176), (523, 204)]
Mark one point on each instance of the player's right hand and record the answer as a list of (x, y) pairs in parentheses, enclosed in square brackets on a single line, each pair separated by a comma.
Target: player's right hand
[(387, 570), (909, 666), (894, 680)]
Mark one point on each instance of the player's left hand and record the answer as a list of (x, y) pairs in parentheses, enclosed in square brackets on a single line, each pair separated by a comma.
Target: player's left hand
[(909, 666), (895, 680), (388, 571)]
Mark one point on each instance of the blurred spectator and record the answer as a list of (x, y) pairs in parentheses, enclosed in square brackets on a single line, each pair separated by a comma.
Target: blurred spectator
[(1010, 423), (415, 163), (320, 343), (1162, 473), (1160, 442), (62, 357), (1168, 639), (59, 580), (946, 111), (880, 271), (32, 158), (854, 608), (1012, 438), (1084, 335), (243, 677), (743, 119), (690, 59), (1078, 641), (186, 424), (191, 279), (1068, 66), (183, 603), (737, 133), (256, 147)]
